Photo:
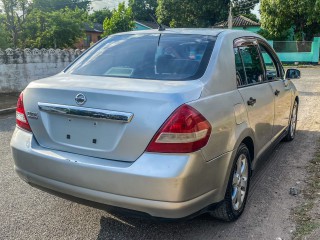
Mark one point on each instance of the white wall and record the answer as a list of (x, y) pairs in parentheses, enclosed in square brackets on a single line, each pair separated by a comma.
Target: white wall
[(19, 67)]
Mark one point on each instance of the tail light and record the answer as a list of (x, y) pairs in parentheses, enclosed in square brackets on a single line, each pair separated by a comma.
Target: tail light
[(185, 131), (21, 118)]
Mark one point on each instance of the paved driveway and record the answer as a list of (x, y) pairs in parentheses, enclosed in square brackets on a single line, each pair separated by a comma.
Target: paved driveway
[(28, 213)]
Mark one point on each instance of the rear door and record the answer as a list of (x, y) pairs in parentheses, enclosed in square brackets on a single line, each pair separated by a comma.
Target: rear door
[(257, 94), (281, 88)]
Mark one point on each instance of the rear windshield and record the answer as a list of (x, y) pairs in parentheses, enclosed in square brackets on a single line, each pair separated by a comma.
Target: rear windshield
[(148, 56)]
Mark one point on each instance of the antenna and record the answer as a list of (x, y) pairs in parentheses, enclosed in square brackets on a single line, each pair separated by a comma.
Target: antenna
[(160, 27), (148, 7)]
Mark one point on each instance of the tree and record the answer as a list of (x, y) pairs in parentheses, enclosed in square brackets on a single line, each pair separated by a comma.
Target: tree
[(4, 40), (15, 16), (252, 17), (121, 20), (282, 36), (201, 13), (243, 7), (143, 8), (100, 15), (278, 16), (54, 5), (190, 13), (58, 29)]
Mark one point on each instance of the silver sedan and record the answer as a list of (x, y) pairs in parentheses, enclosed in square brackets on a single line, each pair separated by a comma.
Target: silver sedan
[(167, 123)]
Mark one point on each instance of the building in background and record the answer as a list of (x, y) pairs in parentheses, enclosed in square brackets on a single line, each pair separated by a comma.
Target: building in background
[(241, 23), (94, 32), (93, 35), (145, 25)]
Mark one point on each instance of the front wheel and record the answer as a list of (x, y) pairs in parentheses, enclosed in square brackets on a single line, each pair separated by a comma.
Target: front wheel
[(236, 195), (293, 123)]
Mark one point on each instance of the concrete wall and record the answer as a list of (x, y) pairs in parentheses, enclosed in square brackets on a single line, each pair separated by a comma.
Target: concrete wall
[(301, 57), (19, 67)]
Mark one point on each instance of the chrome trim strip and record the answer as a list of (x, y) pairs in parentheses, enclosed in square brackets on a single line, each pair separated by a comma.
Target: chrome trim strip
[(86, 112)]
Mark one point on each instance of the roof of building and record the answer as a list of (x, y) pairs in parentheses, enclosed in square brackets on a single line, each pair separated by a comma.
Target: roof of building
[(95, 27), (150, 24), (240, 21)]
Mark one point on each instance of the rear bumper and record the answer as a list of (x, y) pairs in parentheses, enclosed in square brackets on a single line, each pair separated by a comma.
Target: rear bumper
[(161, 185), (153, 208)]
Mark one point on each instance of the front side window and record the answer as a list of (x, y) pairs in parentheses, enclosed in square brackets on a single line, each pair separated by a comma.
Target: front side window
[(272, 72), (252, 64), (148, 56)]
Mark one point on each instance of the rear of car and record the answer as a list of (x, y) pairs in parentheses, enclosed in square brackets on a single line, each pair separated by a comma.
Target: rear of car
[(117, 126), (168, 123)]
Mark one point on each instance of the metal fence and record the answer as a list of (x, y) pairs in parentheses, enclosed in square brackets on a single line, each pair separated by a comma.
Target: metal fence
[(292, 46)]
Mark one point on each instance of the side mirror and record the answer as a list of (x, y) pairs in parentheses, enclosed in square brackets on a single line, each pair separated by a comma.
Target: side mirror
[(293, 74)]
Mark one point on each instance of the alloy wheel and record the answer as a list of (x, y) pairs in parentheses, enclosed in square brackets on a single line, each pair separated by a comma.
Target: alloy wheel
[(240, 182), (293, 124)]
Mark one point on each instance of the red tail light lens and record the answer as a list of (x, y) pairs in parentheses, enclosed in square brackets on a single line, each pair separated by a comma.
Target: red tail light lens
[(21, 118), (185, 131)]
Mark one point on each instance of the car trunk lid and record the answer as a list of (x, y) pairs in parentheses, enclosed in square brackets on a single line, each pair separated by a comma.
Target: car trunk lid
[(117, 119)]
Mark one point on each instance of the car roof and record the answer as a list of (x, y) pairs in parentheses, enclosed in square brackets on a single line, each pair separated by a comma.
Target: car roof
[(200, 31)]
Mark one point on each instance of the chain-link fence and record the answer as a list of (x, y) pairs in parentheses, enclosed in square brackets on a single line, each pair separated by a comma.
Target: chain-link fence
[(292, 46)]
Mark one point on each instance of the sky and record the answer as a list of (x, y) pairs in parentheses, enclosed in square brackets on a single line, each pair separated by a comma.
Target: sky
[(99, 4), (256, 10)]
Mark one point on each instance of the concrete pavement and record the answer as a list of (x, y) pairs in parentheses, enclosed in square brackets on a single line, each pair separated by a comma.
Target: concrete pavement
[(8, 102)]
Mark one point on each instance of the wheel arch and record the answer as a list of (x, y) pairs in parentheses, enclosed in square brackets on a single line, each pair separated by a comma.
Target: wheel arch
[(246, 136), (248, 141)]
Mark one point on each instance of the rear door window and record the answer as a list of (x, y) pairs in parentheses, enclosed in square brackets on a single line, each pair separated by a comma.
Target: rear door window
[(240, 73), (252, 63)]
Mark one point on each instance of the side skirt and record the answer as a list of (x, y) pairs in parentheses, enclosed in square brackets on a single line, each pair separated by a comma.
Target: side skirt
[(269, 149)]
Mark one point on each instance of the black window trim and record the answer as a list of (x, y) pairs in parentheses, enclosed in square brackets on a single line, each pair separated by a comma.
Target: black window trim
[(249, 41), (274, 58)]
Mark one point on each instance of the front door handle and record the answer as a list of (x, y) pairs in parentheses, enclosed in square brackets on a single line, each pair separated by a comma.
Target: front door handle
[(251, 101), (277, 92)]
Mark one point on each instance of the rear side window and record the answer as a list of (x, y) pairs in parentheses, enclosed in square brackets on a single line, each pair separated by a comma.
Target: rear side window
[(252, 63), (240, 73), (148, 56)]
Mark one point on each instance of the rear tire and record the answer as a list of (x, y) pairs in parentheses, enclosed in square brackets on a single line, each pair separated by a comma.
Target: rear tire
[(293, 123), (231, 208)]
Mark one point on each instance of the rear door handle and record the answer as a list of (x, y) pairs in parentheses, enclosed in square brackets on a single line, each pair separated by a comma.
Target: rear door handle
[(277, 92), (251, 101), (286, 82)]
